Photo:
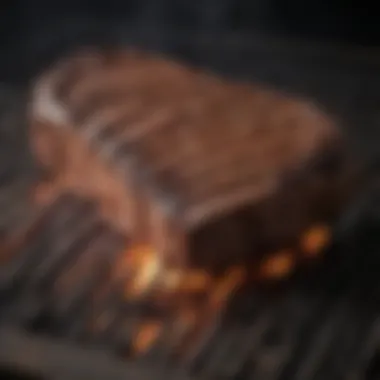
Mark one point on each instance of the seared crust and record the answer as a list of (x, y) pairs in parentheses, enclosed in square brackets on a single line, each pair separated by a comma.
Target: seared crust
[(206, 170)]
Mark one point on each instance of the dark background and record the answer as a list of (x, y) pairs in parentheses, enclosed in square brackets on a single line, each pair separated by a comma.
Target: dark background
[(33, 31)]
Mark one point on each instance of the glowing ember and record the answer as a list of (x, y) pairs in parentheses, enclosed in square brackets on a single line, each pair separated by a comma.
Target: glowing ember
[(278, 265), (186, 281), (148, 273), (146, 335), (176, 290), (144, 267), (315, 240)]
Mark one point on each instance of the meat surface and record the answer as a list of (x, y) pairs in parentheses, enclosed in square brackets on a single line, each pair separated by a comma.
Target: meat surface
[(207, 172)]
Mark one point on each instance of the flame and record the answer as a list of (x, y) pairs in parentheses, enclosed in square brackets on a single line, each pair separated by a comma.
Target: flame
[(186, 281), (144, 266), (188, 314), (176, 286), (147, 274), (277, 265), (315, 240), (147, 334), (147, 270), (193, 320)]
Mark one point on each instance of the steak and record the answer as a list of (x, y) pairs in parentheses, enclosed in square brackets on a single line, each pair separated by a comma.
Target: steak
[(207, 172)]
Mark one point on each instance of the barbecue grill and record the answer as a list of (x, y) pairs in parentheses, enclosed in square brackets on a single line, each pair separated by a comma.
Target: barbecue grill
[(63, 312)]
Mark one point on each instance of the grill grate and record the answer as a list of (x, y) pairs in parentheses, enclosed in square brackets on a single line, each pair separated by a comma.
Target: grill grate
[(61, 280)]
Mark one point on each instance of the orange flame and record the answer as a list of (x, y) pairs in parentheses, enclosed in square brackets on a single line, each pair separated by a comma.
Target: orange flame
[(315, 240), (146, 335), (277, 265)]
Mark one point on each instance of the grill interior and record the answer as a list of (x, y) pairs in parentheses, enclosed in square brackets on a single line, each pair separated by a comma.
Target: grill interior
[(323, 323)]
